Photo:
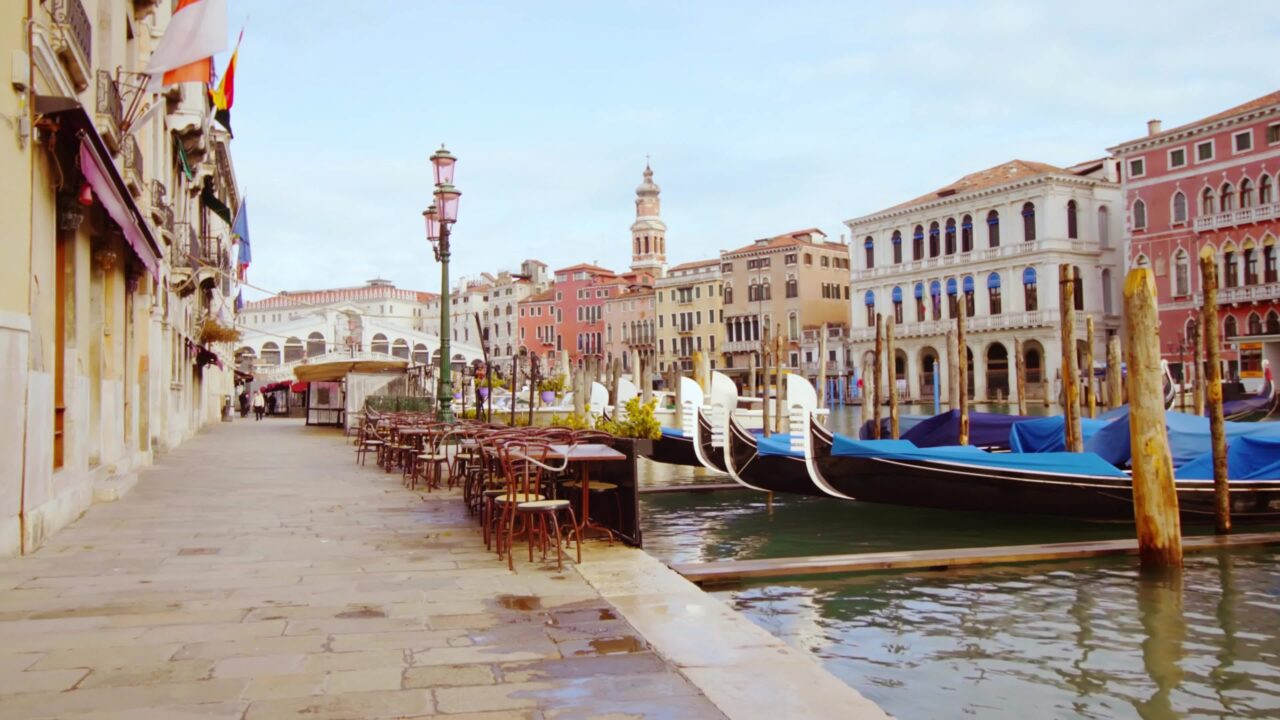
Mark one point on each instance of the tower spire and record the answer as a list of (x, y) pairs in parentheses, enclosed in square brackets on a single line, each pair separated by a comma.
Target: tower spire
[(648, 232)]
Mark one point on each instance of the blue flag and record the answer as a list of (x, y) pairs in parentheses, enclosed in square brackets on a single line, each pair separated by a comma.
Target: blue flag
[(240, 231), (239, 301)]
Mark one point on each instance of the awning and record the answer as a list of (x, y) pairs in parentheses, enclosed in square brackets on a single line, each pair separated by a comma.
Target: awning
[(993, 280), (299, 387), (339, 369), (101, 174)]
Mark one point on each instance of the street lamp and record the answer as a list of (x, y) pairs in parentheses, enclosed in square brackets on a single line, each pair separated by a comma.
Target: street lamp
[(442, 214)]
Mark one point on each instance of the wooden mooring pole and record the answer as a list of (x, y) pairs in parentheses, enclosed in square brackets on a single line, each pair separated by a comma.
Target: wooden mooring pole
[(822, 366), (876, 355), (766, 352), (1020, 367), (751, 375), (1197, 379), (1090, 395), (893, 381), (962, 373), (1213, 392), (953, 399), (1070, 376), (1155, 500), (1115, 393), (780, 391)]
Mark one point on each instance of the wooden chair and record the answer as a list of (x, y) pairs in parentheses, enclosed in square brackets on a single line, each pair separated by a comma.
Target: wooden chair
[(524, 463)]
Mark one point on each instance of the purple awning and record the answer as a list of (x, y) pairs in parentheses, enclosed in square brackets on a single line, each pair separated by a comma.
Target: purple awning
[(117, 206)]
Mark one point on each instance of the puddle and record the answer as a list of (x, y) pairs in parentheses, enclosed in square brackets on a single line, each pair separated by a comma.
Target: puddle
[(361, 613), (608, 615), (525, 603), (614, 646)]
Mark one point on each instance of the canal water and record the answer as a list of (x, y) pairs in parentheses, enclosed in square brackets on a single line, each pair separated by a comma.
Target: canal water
[(1079, 639)]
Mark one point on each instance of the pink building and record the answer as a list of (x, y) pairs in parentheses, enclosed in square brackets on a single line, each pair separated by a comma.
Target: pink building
[(1210, 186), (581, 291), (537, 322)]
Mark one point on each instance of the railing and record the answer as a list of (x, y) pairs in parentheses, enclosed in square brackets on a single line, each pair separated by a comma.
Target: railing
[(71, 13), (109, 105), (131, 154), (1248, 293), (742, 346), (1232, 218), (1002, 251)]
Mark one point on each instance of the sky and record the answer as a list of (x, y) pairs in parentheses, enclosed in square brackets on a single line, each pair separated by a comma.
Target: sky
[(758, 117)]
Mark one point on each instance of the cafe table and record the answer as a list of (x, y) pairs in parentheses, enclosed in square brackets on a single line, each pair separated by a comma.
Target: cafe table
[(584, 455)]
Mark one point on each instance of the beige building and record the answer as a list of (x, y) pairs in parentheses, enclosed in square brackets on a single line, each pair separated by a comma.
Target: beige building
[(691, 311), (116, 270), (629, 322), (786, 283)]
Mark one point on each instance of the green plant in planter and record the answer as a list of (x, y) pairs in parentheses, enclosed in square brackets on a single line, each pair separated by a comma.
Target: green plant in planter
[(496, 383), (555, 384), (638, 421), (573, 421)]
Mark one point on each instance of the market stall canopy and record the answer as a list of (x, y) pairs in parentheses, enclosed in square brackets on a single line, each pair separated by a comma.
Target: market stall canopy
[(337, 370)]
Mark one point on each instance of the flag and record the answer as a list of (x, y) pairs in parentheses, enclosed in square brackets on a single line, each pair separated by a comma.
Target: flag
[(209, 199), (240, 231), (224, 95), (239, 301), (197, 30)]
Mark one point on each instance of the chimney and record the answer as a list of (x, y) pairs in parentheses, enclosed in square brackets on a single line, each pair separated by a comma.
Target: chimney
[(1153, 127)]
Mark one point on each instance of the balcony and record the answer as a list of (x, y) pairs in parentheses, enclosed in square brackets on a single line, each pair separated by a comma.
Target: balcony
[(159, 202), (110, 110), (981, 255), (1235, 218), (73, 40), (742, 346), (1247, 294), (131, 154)]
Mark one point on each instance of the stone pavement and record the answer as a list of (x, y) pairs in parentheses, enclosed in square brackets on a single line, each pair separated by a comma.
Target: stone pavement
[(258, 572)]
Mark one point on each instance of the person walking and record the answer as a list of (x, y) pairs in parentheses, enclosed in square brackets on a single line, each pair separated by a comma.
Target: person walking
[(259, 405)]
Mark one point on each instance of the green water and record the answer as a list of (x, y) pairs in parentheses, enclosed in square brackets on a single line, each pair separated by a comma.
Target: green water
[(1080, 639)]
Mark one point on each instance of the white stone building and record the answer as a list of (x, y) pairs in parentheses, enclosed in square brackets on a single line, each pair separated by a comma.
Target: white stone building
[(496, 300), (998, 236)]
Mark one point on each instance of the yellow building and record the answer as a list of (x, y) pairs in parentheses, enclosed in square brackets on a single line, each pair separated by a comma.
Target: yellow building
[(113, 263), (690, 315)]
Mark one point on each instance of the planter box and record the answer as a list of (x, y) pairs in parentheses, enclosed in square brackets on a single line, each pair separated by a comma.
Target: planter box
[(548, 397)]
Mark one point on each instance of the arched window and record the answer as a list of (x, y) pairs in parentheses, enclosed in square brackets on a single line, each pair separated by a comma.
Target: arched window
[(1028, 222), (1029, 289), (935, 295), (728, 294), (966, 233), (1264, 190), (1073, 228), (1273, 323), (270, 353), (870, 301), (765, 292), (315, 344), (293, 350), (870, 245), (1139, 215), (1246, 193), (917, 243), (934, 240), (422, 357), (1226, 198), (1229, 327), (380, 344), (1230, 268), (919, 292), (793, 287), (1255, 324), (245, 358), (400, 348), (1181, 274), (897, 247), (897, 305), (1179, 207), (1207, 204), (952, 289), (1107, 307), (637, 246), (950, 244), (993, 294), (1250, 264), (968, 295), (993, 229), (1269, 260), (1104, 227)]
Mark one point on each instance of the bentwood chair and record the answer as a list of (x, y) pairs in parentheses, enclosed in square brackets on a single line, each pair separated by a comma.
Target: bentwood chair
[(524, 463)]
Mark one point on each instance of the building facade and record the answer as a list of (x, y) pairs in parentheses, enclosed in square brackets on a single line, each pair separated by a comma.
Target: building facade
[(117, 281), (1210, 186), (997, 237), (538, 317), (691, 311), (648, 232), (629, 322), (785, 283)]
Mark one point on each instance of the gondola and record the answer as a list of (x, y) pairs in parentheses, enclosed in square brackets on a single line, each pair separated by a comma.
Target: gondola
[(1081, 485), (675, 446), (709, 427), (772, 464)]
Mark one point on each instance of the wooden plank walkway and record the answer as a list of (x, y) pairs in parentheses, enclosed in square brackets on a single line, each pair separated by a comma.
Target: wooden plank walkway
[(726, 571), (691, 487)]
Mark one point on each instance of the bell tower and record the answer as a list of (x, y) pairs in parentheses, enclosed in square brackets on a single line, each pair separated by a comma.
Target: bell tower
[(648, 232)]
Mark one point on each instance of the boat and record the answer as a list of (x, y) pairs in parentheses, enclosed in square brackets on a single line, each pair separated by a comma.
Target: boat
[(711, 422), (1083, 485), (986, 430), (675, 446), (775, 463)]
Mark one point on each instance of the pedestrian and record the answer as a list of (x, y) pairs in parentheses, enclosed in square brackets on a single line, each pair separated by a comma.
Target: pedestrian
[(271, 404), (244, 403), (259, 405)]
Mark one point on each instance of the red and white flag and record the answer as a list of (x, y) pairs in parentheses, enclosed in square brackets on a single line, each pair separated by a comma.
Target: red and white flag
[(196, 32)]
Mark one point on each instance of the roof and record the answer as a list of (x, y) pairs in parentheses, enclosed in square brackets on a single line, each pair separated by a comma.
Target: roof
[(545, 295), (596, 269), (796, 237), (337, 370), (983, 179), (695, 265), (1255, 104)]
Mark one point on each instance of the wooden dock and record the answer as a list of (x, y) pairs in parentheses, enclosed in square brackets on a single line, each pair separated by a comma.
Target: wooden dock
[(728, 571)]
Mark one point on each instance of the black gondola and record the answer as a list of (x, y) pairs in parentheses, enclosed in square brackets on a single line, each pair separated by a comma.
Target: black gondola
[(784, 473), (674, 448), (709, 456)]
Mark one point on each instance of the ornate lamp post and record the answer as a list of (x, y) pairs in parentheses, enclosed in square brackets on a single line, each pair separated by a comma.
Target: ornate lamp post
[(440, 217)]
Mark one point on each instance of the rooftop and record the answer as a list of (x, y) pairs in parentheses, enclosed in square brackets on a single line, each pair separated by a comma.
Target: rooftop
[(695, 265), (795, 238), (1255, 104), (983, 179), (594, 269)]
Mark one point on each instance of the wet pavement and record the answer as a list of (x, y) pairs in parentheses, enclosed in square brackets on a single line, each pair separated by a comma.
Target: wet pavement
[(258, 572)]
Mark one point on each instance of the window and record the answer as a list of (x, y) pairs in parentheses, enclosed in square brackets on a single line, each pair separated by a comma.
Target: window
[(919, 302), (950, 244), (1269, 262), (1230, 268), (826, 261), (966, 233), (870, 245), (1177, 158), (1073, 228), (1029, 289), (1226, 198), (791, 258), (993, 229), (1229, 327), (968, 296), (1255, 324), (1181, 274), (935, 294), (897, 305), (808, 258), (897, 247), (728, 294), (1207, 204), (793, 288), (793, 326), (1250, 266), (726, 268), (935, 244), (1246, 194), (993, 293), (1204, 151), (1242, 141), (1179, 208), (1264, 189), (1137, 168), (1139, 215), (1028, 222), (870, 301), (917, 243)]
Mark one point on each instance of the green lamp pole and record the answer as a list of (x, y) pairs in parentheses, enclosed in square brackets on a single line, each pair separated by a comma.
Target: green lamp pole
[(440, 218)]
